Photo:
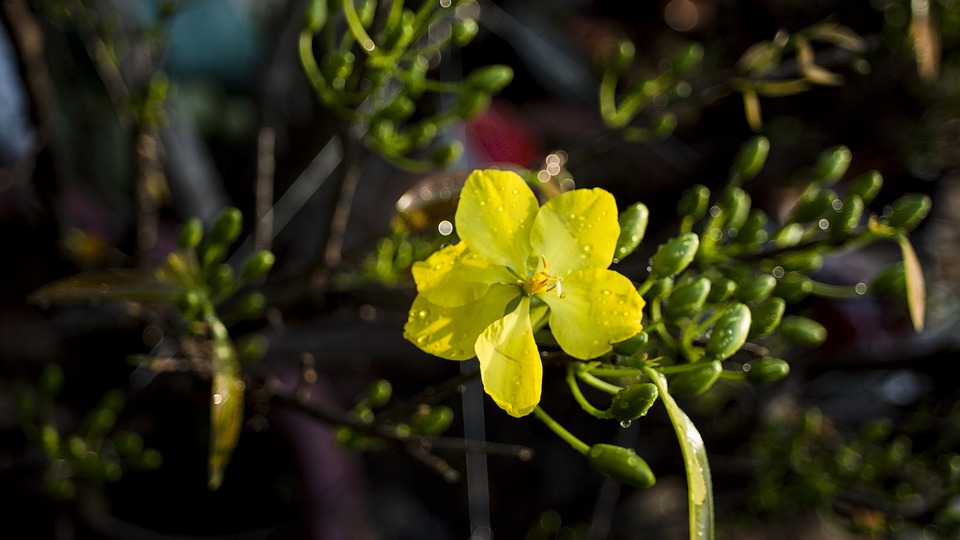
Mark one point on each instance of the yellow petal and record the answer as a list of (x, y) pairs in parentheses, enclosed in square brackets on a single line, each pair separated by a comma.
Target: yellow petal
[(456, 276), (598, 307), (510, 365), (451, 332), (577, 229), (494, 217)]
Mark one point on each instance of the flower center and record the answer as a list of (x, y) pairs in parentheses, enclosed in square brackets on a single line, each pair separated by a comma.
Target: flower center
[(542, 281)]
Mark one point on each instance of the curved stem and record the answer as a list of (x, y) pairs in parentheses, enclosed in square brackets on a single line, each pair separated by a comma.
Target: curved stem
[(571, 379)]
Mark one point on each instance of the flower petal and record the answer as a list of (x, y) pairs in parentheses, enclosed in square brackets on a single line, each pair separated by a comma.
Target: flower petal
[(576, 229), (456, 276), (510, 362), (451, 332), (598, 307), (494, 217)]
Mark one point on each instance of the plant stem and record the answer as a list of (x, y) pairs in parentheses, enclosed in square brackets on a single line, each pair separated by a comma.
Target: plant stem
[(561, 432)]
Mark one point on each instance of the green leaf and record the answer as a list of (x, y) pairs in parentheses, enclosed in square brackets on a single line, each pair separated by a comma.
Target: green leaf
[(226, 403), (916, 288), (699, 487)]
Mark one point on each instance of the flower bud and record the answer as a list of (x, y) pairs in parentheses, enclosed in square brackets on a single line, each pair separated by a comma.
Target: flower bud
[(631, 346), (688, 57), (252, 348), (767, 370), (696, 381), (686, 299), (805, 262), (623, 56), (891, 280), (621, 464), (848, 218), (832, 164), (226, 227), (447, 153), (432, 420), (257, 265), (378, 393), (472, 102), (191, 233), (633, 401), (401, 108), (813, 206), (694, 201), (721, 290), (866, 186), (753, 232), (766, 316), (463, 31), (190, 304), (674, 256), (51, 379), (802, 330), (633, 226), (489, 79), (789, 235), (750, 158), (315, 16), (729, 333), (251, 306), (660, 288), (756, 288), (793, 287), (909, 211), (735, 204), (221, 279)]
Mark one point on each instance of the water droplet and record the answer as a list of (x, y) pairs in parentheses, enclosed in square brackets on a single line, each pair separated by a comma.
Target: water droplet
[(587, 248), (837, 205), (423, 313), (500, 208), (421, 340), (615, 260), (606, 292), (625, 424), (861, 288)]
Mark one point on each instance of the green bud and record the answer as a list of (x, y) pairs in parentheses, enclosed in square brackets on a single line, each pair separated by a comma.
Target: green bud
[(805, 262), (221, 279), (686, 299), (447, 153), (191, 233), (257, 265), (226, 227), (50, 439), (729, 333), (848, 218), (463, 31), (422, 133), (695, 382), (908, 211), (750, 158), (472, 102), (832, 164), (802, 330), (721, 290), (767, 370), (756, 288), (633, 226), (694, 201), (398, 110), (213, 255), (753, 232), (251, 348), (815, 205), (631, 346), (633, 401), (621, 464), (674, 256), (660, 288), (789, 235), (665, 124), (489, 79), (129, 443), (378, 393), (766, 316), (877, 430), (866, 186), (623, 56), (316, 15), (51, 379), (251, 306), (190, 304), (688, 57), (793, 287), (432, 420), (735, 205)]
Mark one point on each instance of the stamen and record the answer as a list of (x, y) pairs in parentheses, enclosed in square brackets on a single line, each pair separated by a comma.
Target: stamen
[(542, 281)]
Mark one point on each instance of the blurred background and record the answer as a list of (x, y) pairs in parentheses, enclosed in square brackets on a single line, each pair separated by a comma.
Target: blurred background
[(119, 121)]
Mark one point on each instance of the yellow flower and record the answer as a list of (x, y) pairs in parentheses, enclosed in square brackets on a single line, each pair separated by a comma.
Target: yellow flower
[(515, 261)]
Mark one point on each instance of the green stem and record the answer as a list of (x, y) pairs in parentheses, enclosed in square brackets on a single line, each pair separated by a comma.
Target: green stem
[(356, 27), (560, 431), (598, 383), (571, 379), (826, 290)]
